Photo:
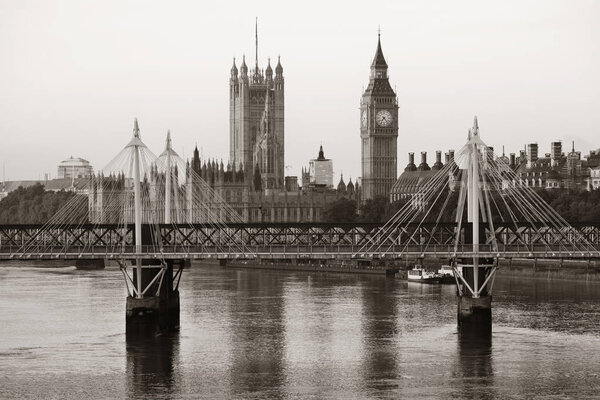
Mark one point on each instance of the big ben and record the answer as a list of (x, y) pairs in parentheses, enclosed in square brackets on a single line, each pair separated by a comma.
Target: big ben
[(378, 131)]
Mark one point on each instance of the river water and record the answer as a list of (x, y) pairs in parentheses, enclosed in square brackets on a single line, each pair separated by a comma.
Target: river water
[(254, 334)]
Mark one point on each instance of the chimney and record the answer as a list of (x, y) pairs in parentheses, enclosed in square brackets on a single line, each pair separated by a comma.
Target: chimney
[(555, 153), (451, 155), (446, 157), (532, 154), (411, 163), (438, 161), (423, 166), (512, 159)]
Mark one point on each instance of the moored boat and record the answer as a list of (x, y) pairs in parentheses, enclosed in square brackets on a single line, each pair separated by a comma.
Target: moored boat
[(418, 274), (446, 274)]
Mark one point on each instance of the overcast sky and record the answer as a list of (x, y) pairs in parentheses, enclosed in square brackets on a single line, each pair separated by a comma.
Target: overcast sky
[(74, 74)]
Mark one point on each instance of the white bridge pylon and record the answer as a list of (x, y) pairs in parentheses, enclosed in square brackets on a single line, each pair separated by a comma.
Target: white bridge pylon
[(478, 202), (187, 186), (140, 190), (479, 188)]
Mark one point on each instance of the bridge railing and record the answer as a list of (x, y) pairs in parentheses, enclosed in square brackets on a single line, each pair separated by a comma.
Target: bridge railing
[(297, 251), (359, 237)]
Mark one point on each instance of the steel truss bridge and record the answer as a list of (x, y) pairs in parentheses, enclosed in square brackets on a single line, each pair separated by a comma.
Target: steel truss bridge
[(291, 241)]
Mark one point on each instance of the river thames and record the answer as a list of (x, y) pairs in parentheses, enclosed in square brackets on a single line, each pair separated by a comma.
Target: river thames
[(258, 334)]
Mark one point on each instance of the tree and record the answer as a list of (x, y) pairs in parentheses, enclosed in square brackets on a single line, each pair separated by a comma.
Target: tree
[(342, 210), (34, 205), (379, 209)]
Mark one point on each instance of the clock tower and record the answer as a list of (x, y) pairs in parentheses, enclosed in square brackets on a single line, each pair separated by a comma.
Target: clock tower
[(378, 131)]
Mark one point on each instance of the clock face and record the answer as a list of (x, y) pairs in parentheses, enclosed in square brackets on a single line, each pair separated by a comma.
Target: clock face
[(363, 119), (383, 118)]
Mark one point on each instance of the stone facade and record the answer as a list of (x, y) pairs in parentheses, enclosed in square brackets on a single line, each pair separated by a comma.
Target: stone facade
[(291, 203), (378, 131), (554, 170), (415, 177), (256, 121), (321, 171), (73, 168)]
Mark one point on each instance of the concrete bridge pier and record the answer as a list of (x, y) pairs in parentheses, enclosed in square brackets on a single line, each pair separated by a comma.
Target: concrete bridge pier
[(474, 314), (474, 310), (474, 286), (156, 310)]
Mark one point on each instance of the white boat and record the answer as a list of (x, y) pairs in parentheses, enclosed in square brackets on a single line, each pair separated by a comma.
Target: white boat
[(446, 273), (446, 270), (418, 274)]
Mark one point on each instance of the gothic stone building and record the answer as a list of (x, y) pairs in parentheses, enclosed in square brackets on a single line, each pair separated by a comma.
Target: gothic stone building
[(378, 131), (256, 119)]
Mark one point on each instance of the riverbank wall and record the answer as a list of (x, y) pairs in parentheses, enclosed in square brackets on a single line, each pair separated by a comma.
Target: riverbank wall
[(543, 269), (325, 265), (550, 269)]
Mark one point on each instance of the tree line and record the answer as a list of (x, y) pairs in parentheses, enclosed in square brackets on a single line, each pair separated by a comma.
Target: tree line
[(576, 207), (35, 205)]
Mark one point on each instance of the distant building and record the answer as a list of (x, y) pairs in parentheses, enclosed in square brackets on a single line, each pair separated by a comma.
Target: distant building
[(321, 171), (378, 131), (290, 204), (73, 168), (415, 177), (593, 182), (555, 170), (256, 121)]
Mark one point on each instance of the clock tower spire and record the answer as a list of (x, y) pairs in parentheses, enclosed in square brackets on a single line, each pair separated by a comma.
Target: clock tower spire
[(378, 130)]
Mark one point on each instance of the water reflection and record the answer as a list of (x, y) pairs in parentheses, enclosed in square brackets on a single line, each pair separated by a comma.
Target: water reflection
[(268, 334), (257, 335), (152, 366), (379, 318), (474, 366)]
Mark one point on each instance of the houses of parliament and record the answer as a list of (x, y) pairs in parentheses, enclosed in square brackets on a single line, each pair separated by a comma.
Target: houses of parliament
[(254, 182)]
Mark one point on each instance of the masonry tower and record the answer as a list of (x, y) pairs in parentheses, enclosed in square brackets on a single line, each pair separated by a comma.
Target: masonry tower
[(256, 120), (378, 131)]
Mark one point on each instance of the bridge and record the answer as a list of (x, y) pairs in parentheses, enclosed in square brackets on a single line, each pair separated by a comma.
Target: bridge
[(289, 241), (153, 214)]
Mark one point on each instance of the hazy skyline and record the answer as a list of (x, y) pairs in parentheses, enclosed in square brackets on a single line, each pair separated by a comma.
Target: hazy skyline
[(75, 74)]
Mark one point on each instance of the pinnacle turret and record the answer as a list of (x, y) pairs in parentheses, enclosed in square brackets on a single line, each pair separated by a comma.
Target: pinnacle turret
[(269, 70), (321, 154), (341, 187), (244, 67), (379, 60), (234, 70)]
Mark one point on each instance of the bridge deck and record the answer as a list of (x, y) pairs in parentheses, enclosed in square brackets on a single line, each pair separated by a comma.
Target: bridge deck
[(291, 241), (342, 253)]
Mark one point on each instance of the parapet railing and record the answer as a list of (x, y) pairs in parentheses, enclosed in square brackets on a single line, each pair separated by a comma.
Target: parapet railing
[(298, 251)]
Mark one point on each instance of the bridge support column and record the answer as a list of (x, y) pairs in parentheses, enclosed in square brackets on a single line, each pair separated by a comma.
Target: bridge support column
[(157, 310), (474, 303), (474, 280), (474, 314)]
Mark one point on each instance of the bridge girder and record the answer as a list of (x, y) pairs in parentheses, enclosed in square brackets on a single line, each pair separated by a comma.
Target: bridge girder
[(276, 237)]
